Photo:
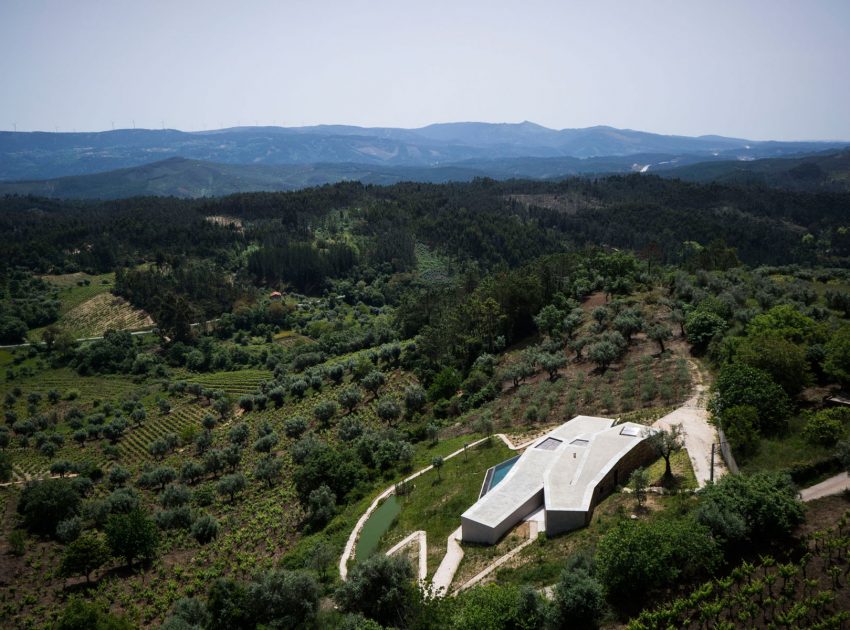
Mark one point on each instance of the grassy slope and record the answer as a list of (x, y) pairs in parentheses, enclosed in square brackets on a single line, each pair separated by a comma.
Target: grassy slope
[(436, 501)]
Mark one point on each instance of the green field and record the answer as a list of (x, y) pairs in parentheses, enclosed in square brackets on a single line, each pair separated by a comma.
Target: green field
[(436, 500)]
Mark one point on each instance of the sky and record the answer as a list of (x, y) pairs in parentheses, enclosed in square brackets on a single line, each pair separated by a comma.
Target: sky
[(758, 69)]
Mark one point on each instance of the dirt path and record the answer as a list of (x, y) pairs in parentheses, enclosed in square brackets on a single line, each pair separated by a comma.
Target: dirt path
[(699, 434)]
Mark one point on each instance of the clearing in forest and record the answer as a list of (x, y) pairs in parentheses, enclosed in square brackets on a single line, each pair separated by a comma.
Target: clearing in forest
[(101, 313)]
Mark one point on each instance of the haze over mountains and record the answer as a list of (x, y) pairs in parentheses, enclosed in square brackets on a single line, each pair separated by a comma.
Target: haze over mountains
[(169, 162)]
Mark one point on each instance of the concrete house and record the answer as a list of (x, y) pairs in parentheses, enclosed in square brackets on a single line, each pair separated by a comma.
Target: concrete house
[(566, 472)]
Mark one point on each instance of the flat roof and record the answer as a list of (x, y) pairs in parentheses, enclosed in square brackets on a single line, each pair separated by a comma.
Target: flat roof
[(576, 459), (571, 480)]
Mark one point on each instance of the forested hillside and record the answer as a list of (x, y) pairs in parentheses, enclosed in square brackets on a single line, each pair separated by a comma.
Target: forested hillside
[(202, 398)]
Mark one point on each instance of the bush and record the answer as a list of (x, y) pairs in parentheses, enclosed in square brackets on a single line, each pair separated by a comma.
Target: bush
[(69, 530), (295, 427), (284, 599), (349, 428), (266, 443), (747, 509), (827, 426), (579, 600), (85, 554), (44, 504), (132, 536), (739, 384), (268, 469), (325, 411), (321, 506), (388, 410), (82, 615), (635, 558), (373, 381), (231, 485), (740, 425), (381, 588), (496, 606), (175, 518), (702, 326), (123, 500), (445, 384), (175, 495), (350, 397)]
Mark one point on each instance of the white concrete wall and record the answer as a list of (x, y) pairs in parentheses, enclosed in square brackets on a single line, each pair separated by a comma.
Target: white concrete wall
[(475, 532)]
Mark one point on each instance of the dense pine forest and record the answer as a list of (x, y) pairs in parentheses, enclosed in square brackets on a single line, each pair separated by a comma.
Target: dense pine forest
[(202, 397)]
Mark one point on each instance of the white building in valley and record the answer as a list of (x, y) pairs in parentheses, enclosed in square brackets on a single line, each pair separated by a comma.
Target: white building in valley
[(567, 472)]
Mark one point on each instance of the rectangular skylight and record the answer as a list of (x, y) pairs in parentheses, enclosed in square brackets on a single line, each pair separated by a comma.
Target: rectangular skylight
[(580, 442), (630, 431), (549, 444)]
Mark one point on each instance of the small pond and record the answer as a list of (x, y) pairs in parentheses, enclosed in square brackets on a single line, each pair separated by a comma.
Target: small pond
[(375, 527)]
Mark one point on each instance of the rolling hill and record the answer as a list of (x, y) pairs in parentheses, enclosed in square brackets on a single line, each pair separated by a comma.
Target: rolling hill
[(43, 155)]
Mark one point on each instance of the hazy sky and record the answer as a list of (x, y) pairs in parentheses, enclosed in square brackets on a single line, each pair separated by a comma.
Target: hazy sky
[(758, 69)]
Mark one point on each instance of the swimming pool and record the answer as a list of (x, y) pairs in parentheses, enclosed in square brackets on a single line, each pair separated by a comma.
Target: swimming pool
[(495, 474)]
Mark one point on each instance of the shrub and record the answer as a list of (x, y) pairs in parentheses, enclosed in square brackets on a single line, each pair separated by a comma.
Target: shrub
[(739, 384), (268, 469), (284, 599), (123, 500), (579, 600), (321, 506), (826, 427), (388, 410), (44, 504), (132, 536), (325, 411), (175, 518), (380, 588), (231, 485), (747, 509), (350, 397), (295, 427), (205, 529), (635, 558), (175, 495), (740, 425), (266, 443)]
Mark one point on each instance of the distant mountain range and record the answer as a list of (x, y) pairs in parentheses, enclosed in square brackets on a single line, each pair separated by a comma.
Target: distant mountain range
[(43, 155), (179, 177), (126, 163)]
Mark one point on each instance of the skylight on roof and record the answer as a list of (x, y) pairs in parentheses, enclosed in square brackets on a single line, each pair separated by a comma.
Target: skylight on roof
[(630, 431), (580, 442), (549, 444)]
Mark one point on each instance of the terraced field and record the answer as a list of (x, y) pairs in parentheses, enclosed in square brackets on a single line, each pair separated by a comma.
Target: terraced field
[(88, 309), (101, 313), (237, 383)]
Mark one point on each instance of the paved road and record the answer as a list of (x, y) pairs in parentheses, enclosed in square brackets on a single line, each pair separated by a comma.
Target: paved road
[(833, 485), (448, 566)]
